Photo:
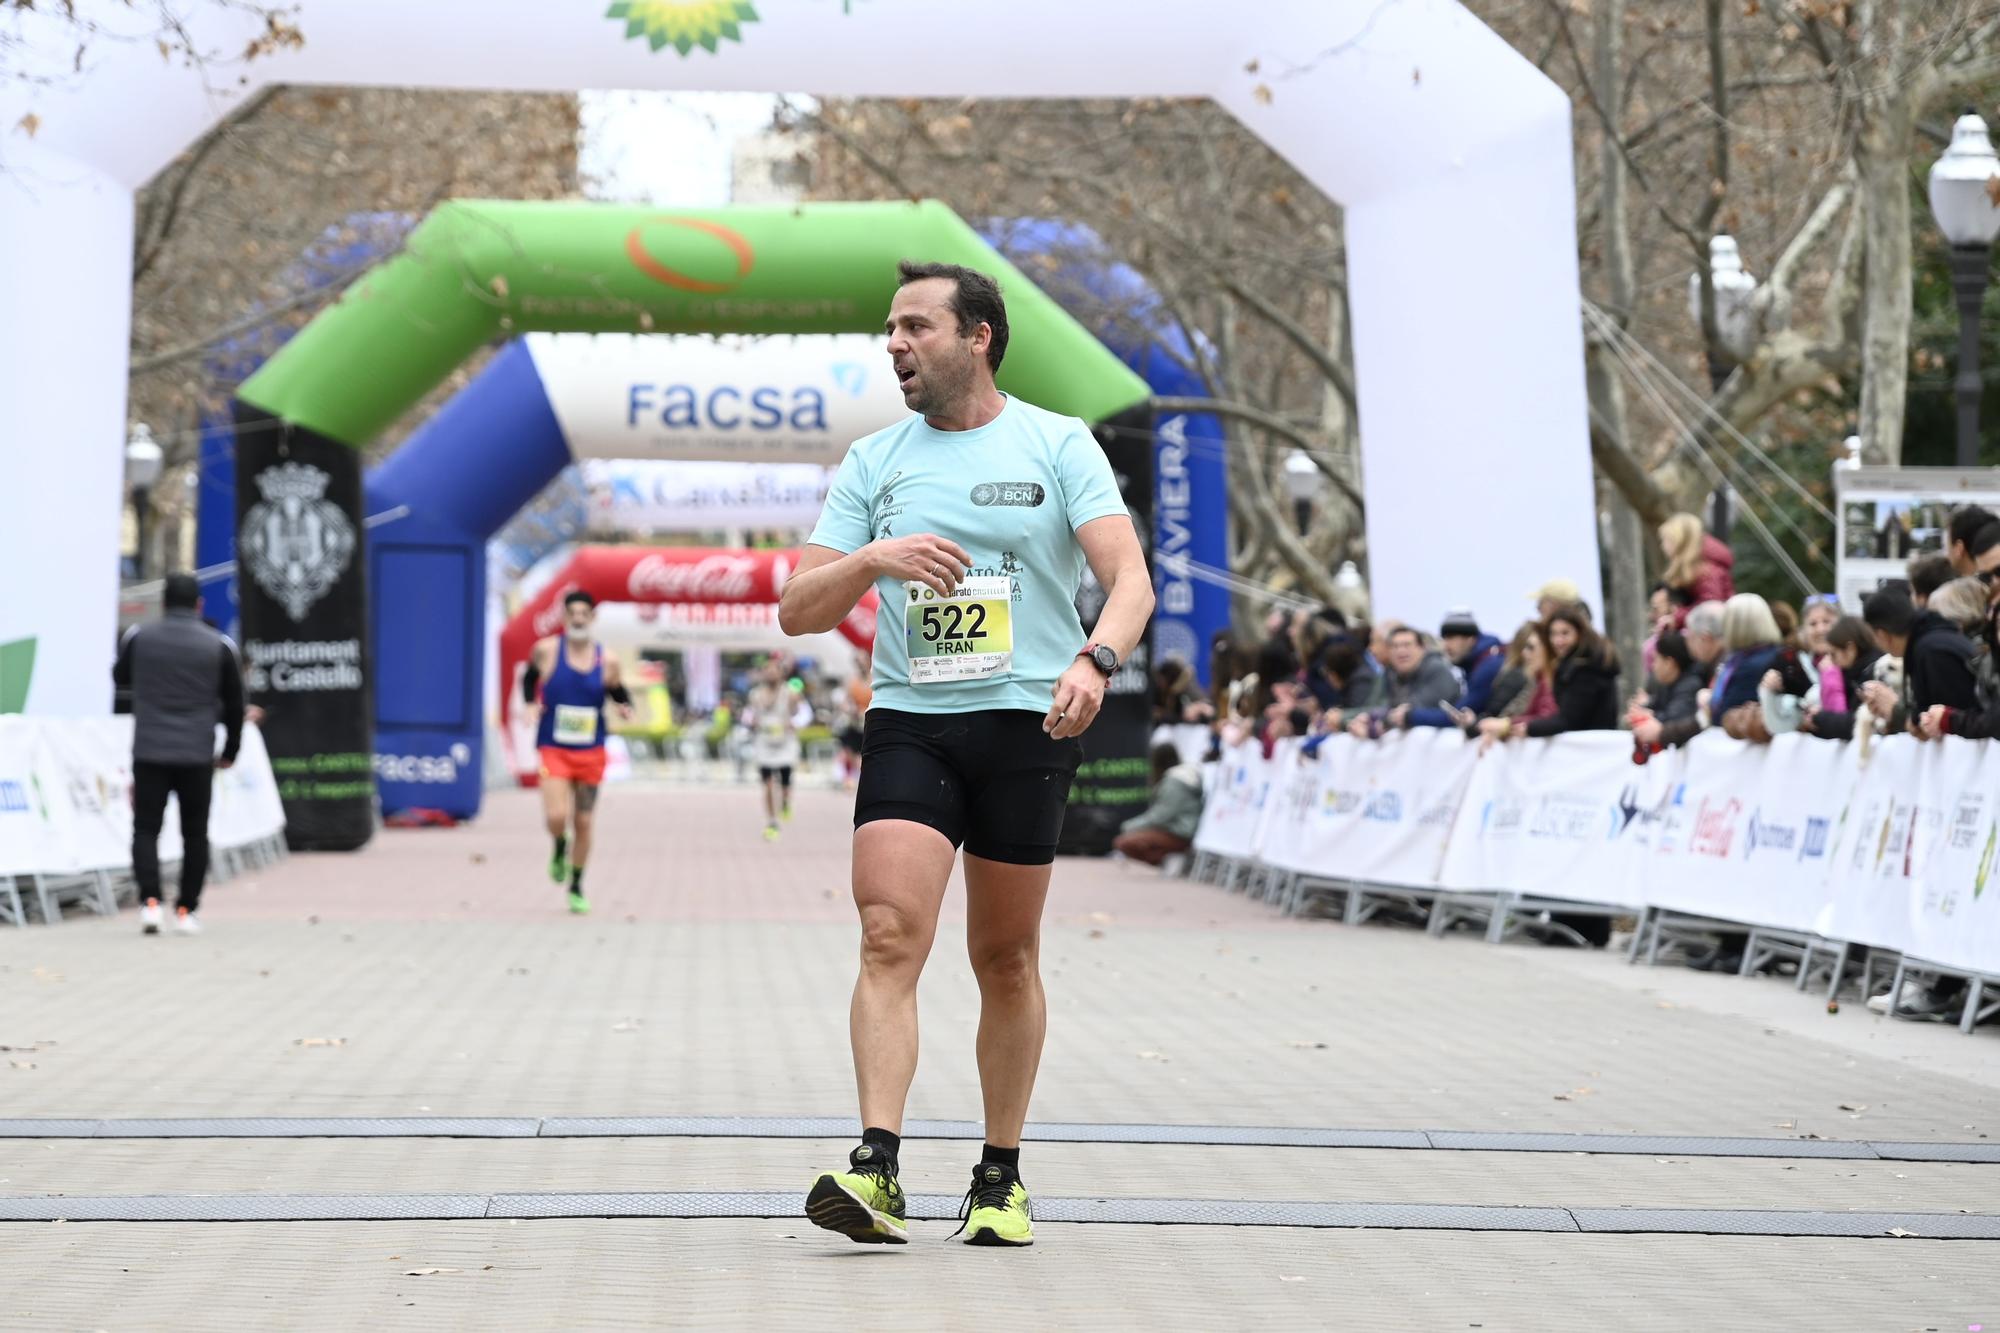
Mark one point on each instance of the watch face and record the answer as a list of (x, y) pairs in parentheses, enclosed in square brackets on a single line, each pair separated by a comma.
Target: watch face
[(1107, 660)]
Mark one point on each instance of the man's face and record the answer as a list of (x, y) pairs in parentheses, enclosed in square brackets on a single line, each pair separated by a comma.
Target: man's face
[(1405, 652), (1961, 559), (936, 365), (1458, 645), (1704, 647), (1987, 569), (1893, 644), (578, 617)]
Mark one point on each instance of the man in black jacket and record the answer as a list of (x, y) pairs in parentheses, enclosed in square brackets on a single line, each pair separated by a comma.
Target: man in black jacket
[(1937, 657), (1983, 722), (181, 678)]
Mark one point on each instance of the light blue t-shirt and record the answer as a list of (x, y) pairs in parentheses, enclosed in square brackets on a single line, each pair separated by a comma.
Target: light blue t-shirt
[(1012, 493)]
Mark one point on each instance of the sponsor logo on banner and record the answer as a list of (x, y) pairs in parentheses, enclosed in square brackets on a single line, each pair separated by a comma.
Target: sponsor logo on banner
[(1715, 827), (423, 768), (733, 240), (715, 578), (1768, 836), (1175, 498), (1986, 861), (1503, 817), (1966, 821), (727, 407), (299, 666), (1564, 818), (1813, 846), (684, 24), (295, 541), (13, 798), (1384, 807), (1337, 802)]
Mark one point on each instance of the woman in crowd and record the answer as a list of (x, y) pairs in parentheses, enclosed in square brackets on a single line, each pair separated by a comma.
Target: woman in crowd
[(1167, 826), (1753, 644), (1699, 568), (1525, 687), (1585, 683), (1177, 699), (1854, 653), (1822, 610)]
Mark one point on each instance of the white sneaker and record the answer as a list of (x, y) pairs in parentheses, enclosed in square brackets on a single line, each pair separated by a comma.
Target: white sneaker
[(149, 917), (1912, 992), (186, 922)]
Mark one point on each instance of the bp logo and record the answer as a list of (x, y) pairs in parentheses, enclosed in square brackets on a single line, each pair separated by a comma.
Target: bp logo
[(684, 24), (295, 542)]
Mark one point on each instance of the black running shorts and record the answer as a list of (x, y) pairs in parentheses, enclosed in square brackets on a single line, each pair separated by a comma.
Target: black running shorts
[(990, 781)]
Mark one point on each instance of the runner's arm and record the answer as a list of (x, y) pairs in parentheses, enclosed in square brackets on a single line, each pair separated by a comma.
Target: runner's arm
[(827, 585), (1111, 546)]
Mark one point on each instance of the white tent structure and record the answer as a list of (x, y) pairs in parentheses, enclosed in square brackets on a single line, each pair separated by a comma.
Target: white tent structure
[(1449, 151)]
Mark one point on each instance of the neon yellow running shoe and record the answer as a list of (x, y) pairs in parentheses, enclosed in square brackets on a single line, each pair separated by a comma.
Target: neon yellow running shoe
[(578, 904), (863, 1203), (770, 833), (996, 1211), (559, 865)]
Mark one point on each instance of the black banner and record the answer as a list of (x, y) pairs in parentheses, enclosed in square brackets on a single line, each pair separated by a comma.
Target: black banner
[(1112, 784), (301, 581)]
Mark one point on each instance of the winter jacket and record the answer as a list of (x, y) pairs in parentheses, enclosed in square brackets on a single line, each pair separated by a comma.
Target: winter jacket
[(1741, 676), (1363, 690), (1431, 684), (1679, 700), (1176, 806), (1938, 666), (183, 679), (1481, 668), (1586, 691)]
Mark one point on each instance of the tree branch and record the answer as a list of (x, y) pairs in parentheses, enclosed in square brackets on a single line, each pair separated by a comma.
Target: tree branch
[(1262, 420), (1299, 336)]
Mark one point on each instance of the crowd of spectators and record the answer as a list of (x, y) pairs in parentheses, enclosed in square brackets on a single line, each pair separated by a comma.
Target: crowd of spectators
[(1922, 659)]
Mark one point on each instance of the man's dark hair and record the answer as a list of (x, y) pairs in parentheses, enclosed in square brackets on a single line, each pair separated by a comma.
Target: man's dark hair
[(1968, 523), (1672, 646), (1890, 611), (1341, 658), (180, 593), (1929, 573), (975, 299), (575, 595), (1401, 630), (1985, 539)]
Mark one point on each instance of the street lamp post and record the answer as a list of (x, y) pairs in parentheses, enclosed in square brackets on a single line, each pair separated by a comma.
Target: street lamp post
[(1303, 482), (1734, 287), (142, 468), (1963, 203)]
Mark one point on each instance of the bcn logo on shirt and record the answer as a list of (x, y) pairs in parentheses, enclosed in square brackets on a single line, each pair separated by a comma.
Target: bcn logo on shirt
[(1020, 494)]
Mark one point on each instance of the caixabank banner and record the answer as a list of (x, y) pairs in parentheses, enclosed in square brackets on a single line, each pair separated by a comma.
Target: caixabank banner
[(302, 591)]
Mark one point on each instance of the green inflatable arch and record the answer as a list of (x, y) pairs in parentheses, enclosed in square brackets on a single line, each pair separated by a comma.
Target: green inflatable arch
[(477, 271)]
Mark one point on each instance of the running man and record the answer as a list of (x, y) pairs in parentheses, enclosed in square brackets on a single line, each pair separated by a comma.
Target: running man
[(776, 714), (973, 519), (568, 679)]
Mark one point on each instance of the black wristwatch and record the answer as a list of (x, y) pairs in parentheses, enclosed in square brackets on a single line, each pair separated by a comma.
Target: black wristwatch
[(1101, 657)]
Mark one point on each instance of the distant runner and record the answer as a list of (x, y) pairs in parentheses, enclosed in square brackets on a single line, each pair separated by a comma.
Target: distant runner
[(567, 682), (776, 714)]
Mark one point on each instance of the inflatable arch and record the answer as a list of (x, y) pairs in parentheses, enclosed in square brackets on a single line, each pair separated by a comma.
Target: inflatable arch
[(1449, 152), (473, 271)]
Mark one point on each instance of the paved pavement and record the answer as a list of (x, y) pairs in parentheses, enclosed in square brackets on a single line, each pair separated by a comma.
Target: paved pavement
[(435, 975)]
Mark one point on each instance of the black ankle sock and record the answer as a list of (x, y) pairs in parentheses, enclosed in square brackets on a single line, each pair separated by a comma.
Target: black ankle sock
[(890, 1144), (576, 880), (1009, 1157), (562, 843)]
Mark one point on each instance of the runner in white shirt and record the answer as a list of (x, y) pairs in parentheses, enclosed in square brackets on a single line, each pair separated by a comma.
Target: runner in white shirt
[(775, 716)]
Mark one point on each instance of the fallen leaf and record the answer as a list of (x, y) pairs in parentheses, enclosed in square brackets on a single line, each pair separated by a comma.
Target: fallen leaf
[(29, 123), (1251, 68), (1853, 1106), (627, 1025), (22, 1064), (320, 1041), (1096, 934), (429, 1272), (1283, 1278), (1898, 1231), (499, 284), (1262, 92), (479, 858), (1575, 1094), (1100, 918), (1308, 1045), (1152, 1055)]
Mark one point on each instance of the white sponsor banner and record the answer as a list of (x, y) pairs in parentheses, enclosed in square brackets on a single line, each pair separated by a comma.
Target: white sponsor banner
[(1745, 831), (1232, 817), (650, 496), (1542, 817), (66, 797), (797, 399), (1380, 811)]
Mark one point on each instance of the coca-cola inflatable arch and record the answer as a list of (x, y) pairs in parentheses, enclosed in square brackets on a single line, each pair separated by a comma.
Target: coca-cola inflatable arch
[(657, 574)]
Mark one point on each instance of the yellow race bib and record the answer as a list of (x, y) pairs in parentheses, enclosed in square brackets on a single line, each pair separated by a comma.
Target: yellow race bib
[(967, 636)]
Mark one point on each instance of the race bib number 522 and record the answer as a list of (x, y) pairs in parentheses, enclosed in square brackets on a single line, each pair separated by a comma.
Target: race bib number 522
[(967, 636)]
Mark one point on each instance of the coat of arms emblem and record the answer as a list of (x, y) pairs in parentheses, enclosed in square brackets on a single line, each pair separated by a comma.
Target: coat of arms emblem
[(295, 541)]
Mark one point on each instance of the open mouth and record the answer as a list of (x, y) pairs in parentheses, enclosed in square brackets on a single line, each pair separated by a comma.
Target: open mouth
[(904, 374)]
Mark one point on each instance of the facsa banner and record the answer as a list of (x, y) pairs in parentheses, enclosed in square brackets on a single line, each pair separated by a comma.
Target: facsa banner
[(800, 399), (646, 496)]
